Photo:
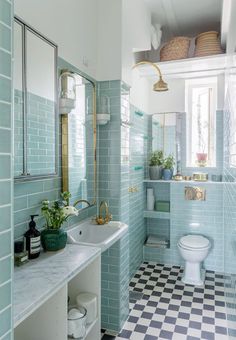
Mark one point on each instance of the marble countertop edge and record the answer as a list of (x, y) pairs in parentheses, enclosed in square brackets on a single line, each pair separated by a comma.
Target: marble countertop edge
[(23, 307)]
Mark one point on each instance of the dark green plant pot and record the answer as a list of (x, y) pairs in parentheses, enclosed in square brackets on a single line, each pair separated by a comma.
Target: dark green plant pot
[(53, 239)]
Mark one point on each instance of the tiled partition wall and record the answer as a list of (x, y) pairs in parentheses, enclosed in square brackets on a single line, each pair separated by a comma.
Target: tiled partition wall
[(137, 200), (5, 169), (115, 261), (230, 175), (230, 195)]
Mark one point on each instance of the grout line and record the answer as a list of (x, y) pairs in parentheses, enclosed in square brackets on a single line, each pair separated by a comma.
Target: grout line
[(5, 283), (5, 77), (5, 102), (5, 128), (4, 309), (7, 333), (4, 50), (5, 231), (6, 25), (5, 257)]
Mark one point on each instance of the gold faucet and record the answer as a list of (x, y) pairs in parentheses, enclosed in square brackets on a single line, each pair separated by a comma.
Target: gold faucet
[(81, 201), (108, 217)]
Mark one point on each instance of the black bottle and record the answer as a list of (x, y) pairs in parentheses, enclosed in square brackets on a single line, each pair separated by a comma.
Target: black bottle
[(32, 237)]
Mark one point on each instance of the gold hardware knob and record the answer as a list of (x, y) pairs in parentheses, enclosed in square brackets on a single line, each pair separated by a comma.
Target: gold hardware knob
[(133, 189)]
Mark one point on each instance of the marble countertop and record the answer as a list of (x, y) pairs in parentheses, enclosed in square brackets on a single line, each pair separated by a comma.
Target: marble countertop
[(38, 280)]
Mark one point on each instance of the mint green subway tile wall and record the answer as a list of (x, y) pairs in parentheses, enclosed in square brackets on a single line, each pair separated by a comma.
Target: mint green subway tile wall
[(6, 169), (41, 132), (115, 261), (115, 282), (109, 137), (229, 199), (190, 217), (138, 158)]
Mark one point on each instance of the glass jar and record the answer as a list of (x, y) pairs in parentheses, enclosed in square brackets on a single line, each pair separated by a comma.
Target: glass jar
[(76, 320), (20, 254)]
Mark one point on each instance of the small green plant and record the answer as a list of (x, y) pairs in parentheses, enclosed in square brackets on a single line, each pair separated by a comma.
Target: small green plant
[(169, 162), (57, 212), (156, 158)]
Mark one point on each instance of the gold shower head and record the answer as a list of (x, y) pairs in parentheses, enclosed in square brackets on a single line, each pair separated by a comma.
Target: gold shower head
[(160, 85)]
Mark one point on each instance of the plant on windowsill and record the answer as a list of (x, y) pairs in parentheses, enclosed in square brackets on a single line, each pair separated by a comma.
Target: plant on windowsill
[(168, 168), (54, 237), (155, 165)]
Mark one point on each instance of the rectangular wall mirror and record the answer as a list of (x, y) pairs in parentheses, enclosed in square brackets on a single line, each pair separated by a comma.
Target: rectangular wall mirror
[(35, 96), (79, 145), (166, 135)]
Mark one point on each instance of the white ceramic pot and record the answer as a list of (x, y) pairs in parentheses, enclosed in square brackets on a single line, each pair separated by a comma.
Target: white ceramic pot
[(89, 302)]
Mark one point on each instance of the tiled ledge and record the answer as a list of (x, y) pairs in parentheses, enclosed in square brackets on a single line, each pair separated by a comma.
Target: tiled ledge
[(177, 182)]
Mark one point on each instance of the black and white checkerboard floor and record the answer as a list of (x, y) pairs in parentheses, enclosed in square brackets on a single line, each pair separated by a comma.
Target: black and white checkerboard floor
[(169, 309)]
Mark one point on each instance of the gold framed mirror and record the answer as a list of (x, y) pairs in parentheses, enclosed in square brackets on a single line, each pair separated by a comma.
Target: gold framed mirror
[(79, 169)]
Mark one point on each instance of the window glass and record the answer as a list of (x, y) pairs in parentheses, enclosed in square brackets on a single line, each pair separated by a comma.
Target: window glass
[(201, 122)]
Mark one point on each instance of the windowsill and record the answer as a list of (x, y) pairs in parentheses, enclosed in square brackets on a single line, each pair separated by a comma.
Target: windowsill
[(200, 167)]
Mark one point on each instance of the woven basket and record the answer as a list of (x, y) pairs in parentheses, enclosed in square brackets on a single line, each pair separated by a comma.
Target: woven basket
[(207, 43), (176, 48)]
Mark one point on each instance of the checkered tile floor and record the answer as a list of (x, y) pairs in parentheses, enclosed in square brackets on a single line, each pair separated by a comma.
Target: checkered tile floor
[(169, 309)]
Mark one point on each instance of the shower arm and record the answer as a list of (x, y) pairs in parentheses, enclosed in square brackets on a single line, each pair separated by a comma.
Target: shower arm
[(150, 63)]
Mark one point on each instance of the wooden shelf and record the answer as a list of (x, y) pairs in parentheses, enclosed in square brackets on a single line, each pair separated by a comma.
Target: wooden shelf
[(156, 214)]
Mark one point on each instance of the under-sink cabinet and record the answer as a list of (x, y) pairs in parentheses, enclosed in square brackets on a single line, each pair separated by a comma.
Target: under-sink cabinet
[(42, 288)]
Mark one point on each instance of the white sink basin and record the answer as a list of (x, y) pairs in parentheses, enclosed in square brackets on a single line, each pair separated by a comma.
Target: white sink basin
[(102, 236)]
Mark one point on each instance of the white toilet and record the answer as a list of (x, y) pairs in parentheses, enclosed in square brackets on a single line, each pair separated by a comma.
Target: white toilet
[(194, 249)]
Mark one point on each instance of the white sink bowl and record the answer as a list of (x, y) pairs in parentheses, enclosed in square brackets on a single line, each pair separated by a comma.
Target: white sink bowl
[(101, 236)]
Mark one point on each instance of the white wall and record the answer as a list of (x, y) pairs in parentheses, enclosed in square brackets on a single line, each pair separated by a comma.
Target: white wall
[(72, 25), (174, 99), (139, 92), (231, 26), (109, 40), (136, 34)]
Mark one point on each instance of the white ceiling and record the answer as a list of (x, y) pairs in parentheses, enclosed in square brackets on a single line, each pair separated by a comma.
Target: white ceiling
[(186, 17)]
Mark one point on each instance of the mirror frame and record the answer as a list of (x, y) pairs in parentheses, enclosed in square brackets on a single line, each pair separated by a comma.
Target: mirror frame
[(25, 175), (65, 146)]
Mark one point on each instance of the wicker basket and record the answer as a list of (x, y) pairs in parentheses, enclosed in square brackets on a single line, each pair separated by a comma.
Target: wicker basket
[(176, 48), (207, 43)]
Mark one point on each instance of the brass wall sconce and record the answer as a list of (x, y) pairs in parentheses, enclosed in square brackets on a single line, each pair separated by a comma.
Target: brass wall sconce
[(160, 85)]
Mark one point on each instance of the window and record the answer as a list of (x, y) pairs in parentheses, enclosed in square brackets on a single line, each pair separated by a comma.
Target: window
[(200, 102)]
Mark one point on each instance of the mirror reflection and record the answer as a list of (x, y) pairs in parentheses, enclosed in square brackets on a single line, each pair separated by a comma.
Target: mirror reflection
[(79, 145), (166, 135), (35, 103)]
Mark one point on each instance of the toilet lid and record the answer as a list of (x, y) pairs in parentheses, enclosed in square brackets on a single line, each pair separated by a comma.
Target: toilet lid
[(194, 241)]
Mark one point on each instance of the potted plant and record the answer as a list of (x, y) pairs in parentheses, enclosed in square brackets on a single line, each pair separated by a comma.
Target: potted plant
[(155, 164), (54, 237), (168, 168)]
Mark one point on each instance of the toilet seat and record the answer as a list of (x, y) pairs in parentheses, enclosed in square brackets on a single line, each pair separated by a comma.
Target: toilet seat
[(194, 242)]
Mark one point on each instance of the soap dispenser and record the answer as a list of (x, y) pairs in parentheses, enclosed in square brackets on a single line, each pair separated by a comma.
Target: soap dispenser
[(32, 237)]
